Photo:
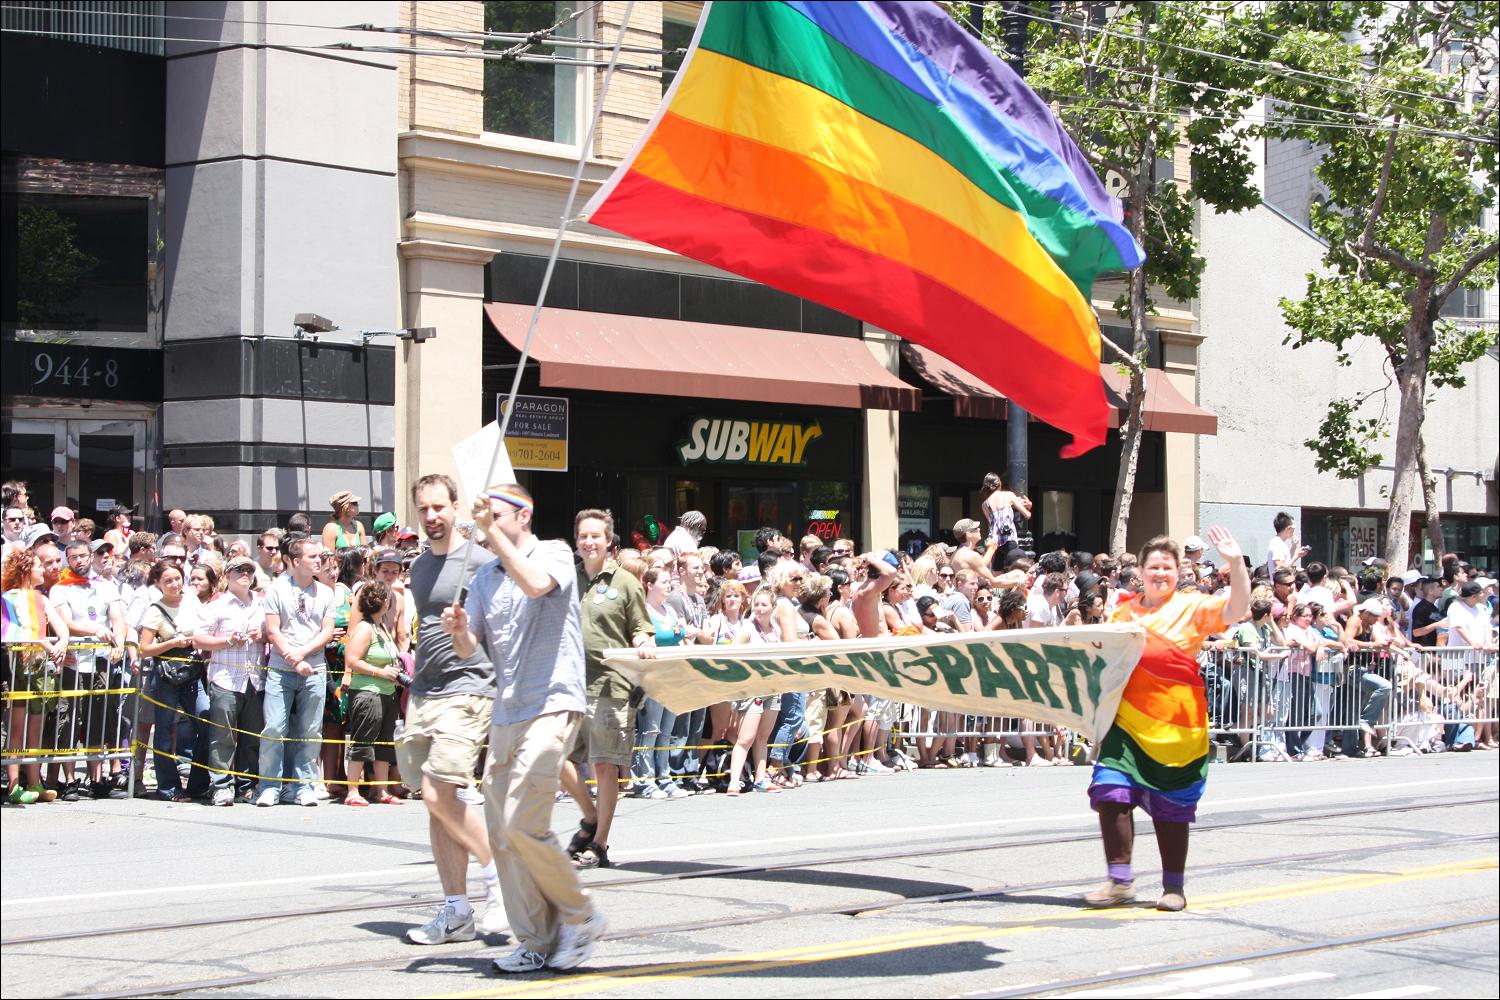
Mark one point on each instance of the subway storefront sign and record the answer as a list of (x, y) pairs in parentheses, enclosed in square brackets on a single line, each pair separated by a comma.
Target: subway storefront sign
[(724, 441)]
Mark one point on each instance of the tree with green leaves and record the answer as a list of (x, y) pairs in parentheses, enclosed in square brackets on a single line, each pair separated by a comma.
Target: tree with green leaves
[(1132, 82), (1401, 100)]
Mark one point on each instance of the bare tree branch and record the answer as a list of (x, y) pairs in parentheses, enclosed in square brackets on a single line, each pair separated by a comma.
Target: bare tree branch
[(1367, 237), (1130, 360)]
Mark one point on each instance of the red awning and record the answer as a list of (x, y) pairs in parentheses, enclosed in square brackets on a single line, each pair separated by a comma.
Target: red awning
[(606, 352), (1166, 408)]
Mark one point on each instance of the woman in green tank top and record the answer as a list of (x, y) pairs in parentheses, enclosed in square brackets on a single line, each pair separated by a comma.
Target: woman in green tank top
[(371, 669)]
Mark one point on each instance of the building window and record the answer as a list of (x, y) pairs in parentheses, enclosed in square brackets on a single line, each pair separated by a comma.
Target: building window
[(532, 100), (132, 25), (81, 250), (676, 36), (1464, 303)]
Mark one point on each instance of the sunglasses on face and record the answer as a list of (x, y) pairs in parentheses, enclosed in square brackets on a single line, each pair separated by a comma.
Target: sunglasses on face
[(16, 520), (271, 548), (946, 576)]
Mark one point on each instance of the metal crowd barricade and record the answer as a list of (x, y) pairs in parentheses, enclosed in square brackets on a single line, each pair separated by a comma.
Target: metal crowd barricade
[(918, 725), (1262, 707), (1439, 693), (84, 714)]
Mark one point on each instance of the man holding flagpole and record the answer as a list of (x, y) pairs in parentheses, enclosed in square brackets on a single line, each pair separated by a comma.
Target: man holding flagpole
[(523, 611)]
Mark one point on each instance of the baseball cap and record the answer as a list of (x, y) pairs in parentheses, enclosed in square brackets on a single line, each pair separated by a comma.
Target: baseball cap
[(1411, 576), (1193, 544), (387, 556), (37, 534), (965, 525), (385, 522), (1485, 581), (407, 533), (99, 544), (1372, 561), (62, 514), (1373, 606)]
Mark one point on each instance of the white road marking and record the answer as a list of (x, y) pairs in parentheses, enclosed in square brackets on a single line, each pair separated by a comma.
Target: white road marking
[(1394, 992), (1256, 985), (686, 851)]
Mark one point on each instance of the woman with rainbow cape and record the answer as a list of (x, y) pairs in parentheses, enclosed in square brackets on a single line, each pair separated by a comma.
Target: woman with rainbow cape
[(1156, 754)]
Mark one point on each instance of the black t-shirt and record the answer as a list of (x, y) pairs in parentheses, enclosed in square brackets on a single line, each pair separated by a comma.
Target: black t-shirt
[(1423, 614)]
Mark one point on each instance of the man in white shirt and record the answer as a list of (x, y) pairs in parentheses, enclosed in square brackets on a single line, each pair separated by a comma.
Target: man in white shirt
[(1044, 609), (233, 634), (1468, 621)]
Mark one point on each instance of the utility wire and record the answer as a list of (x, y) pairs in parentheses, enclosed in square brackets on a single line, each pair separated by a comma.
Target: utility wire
[(1274, 68)]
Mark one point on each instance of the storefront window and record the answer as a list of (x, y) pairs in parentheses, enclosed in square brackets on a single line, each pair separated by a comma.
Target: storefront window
[(692, 494), (1057, 527), (642, 512), (825, 510), (534, 100), (749, 506)]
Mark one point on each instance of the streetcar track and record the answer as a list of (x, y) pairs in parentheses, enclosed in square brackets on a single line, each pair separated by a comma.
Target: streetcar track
[(723, 871), (1150, 972), (854, 909)]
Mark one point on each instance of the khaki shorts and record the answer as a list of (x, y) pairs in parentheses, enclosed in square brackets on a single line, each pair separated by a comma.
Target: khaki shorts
[(443, 737), (607, 733), (816, 714)]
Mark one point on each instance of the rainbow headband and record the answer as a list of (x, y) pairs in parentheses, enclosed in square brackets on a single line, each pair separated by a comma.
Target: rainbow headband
[(514, 499)]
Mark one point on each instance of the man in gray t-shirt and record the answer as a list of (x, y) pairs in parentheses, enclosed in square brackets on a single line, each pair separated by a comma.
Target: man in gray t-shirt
[(448, 720)]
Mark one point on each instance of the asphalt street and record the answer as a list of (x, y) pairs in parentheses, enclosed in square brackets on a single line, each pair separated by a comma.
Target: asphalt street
[(1359, 878)]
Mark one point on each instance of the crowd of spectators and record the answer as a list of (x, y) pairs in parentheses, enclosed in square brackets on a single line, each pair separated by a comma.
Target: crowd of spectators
[(275, 668)]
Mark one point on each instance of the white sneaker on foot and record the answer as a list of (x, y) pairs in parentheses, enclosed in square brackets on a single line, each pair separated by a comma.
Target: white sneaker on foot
[(307, 797), (446, 926), (521, 960), (223, 796), (268, 797), (493, 921), (575, 942), (471, 796)]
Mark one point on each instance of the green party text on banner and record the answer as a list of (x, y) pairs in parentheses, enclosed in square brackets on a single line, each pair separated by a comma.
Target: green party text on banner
[(1070, 677)]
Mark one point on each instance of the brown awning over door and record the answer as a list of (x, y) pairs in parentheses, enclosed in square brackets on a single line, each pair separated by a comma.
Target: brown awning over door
[(1166, 408), (607, 352)]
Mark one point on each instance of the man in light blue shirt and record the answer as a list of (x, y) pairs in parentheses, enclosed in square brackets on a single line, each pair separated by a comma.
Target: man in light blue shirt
[(523, 610)]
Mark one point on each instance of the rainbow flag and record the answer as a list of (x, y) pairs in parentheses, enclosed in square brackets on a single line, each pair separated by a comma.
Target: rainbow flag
[(1160, 736), (875, 158)]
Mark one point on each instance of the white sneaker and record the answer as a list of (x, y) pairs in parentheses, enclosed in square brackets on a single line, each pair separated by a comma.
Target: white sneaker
[(521, 960), (307, 797), (493, 921), (223, 796), (268, 797), (575, 942), (471, 795), (446, 926)]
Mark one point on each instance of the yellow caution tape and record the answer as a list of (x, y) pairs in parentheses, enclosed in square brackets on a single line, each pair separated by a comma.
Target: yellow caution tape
[(259, 777)]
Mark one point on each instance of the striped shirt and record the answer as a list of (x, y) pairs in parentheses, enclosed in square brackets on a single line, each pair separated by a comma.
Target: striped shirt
[(234, 667)]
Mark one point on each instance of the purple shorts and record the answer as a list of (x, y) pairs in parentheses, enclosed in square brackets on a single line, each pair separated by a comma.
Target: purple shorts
[(1156, 804)]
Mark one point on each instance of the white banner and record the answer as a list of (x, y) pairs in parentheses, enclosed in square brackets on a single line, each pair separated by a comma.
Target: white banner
[(1070, 677)]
